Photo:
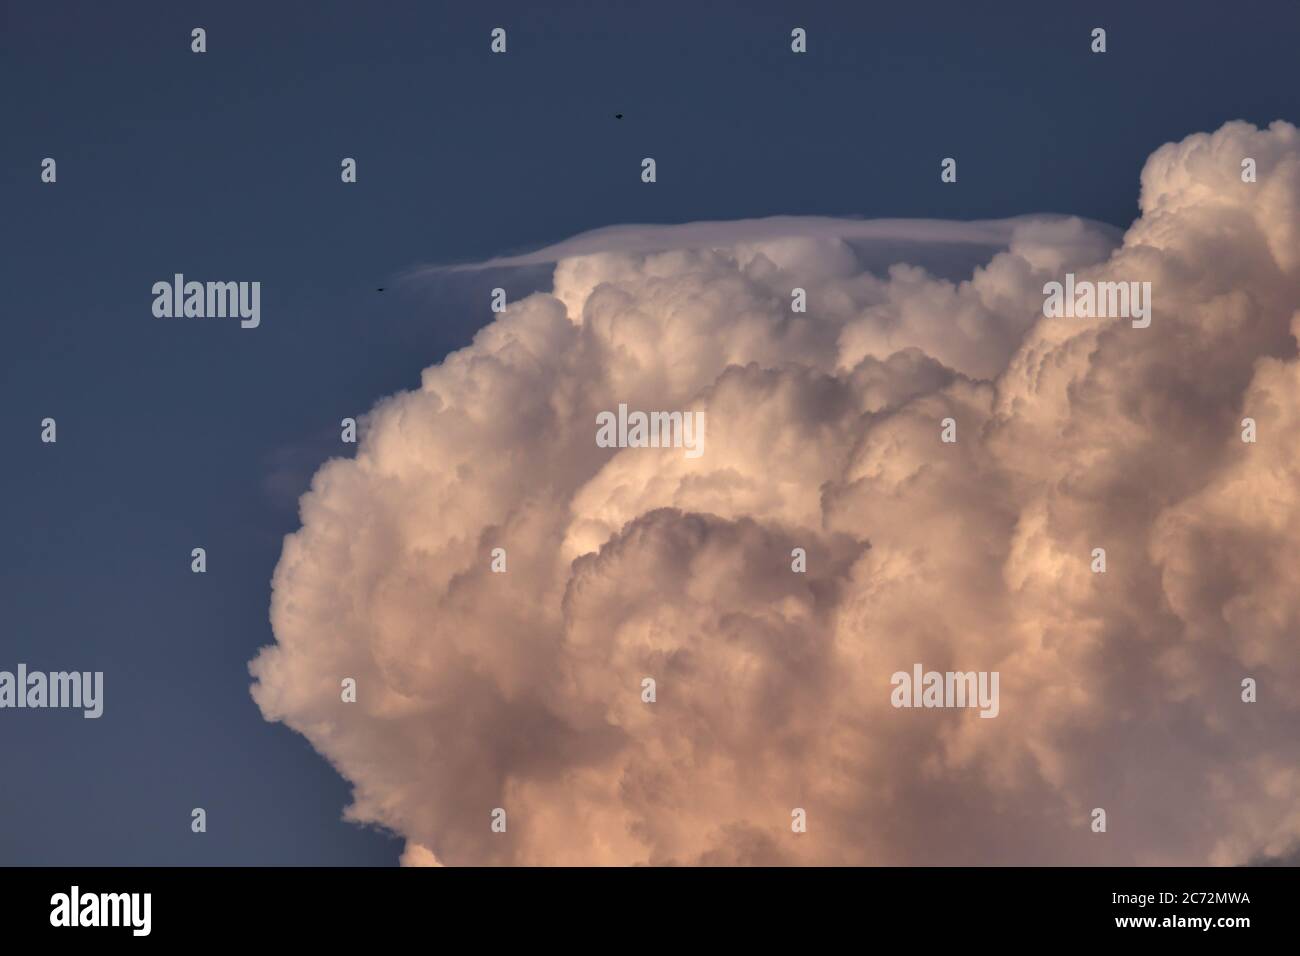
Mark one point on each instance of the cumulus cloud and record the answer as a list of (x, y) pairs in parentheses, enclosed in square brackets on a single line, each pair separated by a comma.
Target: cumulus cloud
[(523, 690)]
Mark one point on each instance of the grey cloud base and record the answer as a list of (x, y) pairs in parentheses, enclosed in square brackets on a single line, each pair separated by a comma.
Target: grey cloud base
[(1120, 690)]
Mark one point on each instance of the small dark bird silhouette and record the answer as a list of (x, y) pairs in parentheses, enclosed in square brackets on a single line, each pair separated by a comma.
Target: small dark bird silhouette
[(618, 116), (380, 289)]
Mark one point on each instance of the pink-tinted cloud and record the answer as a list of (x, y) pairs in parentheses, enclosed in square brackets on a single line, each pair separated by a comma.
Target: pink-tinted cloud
[(523, 690)]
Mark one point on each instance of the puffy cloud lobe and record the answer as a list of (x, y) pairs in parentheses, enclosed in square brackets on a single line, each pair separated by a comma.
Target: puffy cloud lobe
[(1121, 690)]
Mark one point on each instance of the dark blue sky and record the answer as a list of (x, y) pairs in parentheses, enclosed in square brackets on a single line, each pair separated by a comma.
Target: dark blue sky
[(180, 434)]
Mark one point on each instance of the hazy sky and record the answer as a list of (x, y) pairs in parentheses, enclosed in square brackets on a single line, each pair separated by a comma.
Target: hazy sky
[(174, 435)]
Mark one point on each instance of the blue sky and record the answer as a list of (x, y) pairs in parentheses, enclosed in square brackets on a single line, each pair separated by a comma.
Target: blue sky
[(226, 166)]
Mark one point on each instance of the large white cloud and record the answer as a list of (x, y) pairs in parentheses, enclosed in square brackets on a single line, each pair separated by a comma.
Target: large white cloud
[(522, 690)]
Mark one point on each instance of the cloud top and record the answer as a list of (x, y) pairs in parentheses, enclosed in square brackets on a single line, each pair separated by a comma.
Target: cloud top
[(648, 238)]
